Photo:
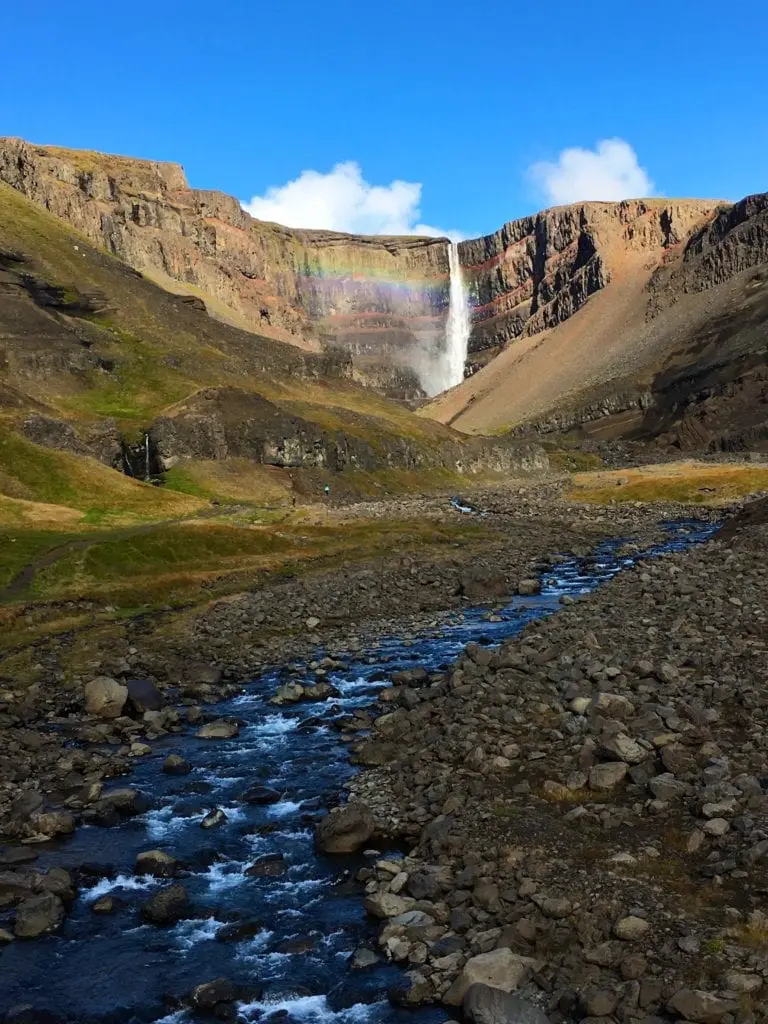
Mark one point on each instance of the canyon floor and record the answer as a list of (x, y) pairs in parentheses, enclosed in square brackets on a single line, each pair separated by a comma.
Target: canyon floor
[(584, 806)]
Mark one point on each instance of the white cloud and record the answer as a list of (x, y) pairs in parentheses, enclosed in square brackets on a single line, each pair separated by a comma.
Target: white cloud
[(609, 172), (342, 200)]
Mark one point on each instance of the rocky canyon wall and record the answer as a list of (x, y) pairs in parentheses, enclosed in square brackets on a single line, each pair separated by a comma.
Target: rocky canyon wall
[(384, 300), (534, 273)]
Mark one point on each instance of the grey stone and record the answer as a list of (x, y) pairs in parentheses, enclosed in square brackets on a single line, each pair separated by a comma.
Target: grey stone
[(485, 1005)]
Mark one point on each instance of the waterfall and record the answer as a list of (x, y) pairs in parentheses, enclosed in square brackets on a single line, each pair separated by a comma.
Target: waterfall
[(444, 367), (147, 474), (458, 325)]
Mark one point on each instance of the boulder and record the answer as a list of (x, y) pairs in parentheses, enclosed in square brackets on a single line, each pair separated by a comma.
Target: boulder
[(38, 915), (623, 748), (26, 804), (211, 994), (175, 764), (15, 855), (14, 887), (483, 585), (105, 697), (260, 795), (631, 928), (167, 906), (220, 729), (157, 863), (700, 1007), (238, 931), (126, 800), (270, 866), (527, 588), (144, 695), (288, 693), (388, 904), (53, 823), (214, 818), (345, 829), (60, 883), (500, 968), (321, 691), (605, 777), (485, 1005)]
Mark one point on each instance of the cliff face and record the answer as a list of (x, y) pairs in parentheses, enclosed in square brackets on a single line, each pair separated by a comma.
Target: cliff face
[(535, 273), (672, 347), (384, 300)]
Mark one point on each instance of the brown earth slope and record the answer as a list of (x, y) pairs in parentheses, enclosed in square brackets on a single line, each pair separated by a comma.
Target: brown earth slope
[(657, 328)]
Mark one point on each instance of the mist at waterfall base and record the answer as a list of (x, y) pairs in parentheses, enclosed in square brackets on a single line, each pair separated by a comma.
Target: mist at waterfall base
[(294, 962), (444, 369)]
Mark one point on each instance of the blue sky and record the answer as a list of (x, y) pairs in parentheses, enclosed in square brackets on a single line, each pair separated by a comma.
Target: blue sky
[(473, 103)]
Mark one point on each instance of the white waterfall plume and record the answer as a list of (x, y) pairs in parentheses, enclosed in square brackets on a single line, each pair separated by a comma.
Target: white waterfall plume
[(446, 366), (458, 326)]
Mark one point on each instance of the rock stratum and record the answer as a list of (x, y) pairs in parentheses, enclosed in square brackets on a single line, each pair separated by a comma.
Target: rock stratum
[(644, 319), (100, 362), (641, 319), (383, 300)]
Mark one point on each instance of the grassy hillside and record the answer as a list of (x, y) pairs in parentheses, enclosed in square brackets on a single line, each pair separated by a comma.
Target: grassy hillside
[(104, 341)]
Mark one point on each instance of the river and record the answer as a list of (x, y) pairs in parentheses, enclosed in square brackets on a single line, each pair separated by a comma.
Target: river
[(305, 922)]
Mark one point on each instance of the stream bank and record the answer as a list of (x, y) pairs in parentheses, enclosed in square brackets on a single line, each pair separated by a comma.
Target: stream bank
[(293, 928)]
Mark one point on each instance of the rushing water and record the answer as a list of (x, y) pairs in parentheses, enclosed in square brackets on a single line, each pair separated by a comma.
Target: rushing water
[(458, 327), (445, 368), (115, 968)]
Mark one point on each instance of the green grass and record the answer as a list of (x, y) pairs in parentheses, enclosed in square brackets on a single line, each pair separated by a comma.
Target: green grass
[(141, 383), (181, 480), (192, 547), (33, 473), (20, 547), (168, 563)]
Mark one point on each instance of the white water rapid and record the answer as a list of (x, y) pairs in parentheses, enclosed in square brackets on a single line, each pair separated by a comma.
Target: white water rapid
[(446, 367)]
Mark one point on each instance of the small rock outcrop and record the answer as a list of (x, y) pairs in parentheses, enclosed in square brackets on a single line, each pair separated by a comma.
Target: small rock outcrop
[(345, 829), (105, 697)]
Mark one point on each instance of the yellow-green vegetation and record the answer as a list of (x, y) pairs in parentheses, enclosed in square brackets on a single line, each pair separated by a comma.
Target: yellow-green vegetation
[(701, 483), (572, 461), (19, 548), (58, 478), (231, 480), (714, 946), (134, 570), (503, 810), (753, 935), (172, 561)]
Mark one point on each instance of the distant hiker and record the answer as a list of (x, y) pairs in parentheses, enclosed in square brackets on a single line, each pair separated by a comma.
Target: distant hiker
[(326, 490), (293, 501)]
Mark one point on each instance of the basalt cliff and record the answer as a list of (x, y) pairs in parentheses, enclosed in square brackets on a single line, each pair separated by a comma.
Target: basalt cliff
[(382, 300), (641, 320), (634, 319)]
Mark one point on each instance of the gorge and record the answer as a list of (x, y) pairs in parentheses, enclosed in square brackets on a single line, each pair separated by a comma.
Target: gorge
[(588, 308)]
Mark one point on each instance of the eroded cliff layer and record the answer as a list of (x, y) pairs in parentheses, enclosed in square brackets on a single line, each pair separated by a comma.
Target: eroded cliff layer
[(384, 300), (536, 272), (672, 347)]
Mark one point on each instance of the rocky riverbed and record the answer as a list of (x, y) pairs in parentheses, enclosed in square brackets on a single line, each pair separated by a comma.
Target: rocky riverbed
[(587, 806), (57, 747), (484, 771)]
